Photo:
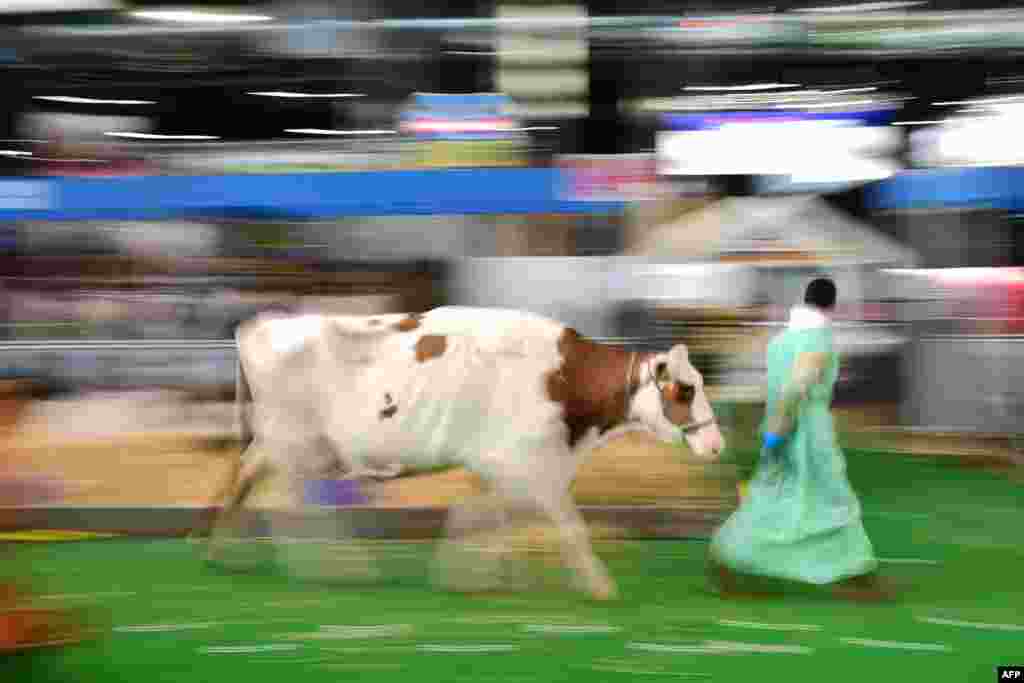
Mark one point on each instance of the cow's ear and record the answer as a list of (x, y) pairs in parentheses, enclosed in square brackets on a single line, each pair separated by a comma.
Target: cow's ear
[(679, 353)]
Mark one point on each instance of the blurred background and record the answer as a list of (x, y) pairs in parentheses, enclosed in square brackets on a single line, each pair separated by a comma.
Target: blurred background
[(647, 172), (640, 173)]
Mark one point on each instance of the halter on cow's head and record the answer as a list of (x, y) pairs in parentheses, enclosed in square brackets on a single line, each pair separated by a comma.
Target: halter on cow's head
[(667, 395)]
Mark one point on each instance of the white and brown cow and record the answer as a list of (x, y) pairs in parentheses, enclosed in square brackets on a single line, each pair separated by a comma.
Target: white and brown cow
[(516, 398)]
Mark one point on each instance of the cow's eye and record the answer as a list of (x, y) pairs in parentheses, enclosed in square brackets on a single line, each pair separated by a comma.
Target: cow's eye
[(661, 373)]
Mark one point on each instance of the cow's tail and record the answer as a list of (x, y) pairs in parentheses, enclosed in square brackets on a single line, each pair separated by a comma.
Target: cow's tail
[(243, 402), (243, 398)]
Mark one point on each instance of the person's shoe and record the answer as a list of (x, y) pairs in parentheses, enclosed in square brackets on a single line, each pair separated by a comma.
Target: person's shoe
[(25, 628), (864, 588), (728, 583), (10, 594)]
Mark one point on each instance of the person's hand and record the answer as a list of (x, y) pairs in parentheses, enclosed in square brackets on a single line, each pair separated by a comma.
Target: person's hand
[(771, 440)]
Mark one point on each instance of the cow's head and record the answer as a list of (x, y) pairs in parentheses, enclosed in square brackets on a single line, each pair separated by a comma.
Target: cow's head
[(670, 401)]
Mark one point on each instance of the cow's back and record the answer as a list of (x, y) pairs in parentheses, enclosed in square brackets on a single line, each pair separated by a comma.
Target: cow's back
[(497, 330), (493, 330), (439, 385)]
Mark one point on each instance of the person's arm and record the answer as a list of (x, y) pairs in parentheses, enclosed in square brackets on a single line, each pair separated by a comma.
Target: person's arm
[(807, 371)]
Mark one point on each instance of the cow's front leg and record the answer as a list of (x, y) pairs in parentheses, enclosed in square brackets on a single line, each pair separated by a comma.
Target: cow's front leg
[(576, 547), (541, 481), (579, 551)]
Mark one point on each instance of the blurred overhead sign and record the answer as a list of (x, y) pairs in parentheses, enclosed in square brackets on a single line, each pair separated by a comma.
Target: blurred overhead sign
[(477, 116), (469, 130), (810, 148)]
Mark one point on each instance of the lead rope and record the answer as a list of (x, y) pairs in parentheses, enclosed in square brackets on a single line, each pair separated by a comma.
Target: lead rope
[(629, 384)]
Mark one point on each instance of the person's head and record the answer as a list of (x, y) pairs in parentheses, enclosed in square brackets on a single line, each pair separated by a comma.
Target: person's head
[(821, 294)]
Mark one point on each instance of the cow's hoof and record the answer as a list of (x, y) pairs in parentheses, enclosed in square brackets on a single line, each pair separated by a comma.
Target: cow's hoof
[(197, 537), (605, 592), (213, 556)]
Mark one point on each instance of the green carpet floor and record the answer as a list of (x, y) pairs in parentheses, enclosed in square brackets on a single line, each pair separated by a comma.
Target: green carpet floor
[(949, 537)]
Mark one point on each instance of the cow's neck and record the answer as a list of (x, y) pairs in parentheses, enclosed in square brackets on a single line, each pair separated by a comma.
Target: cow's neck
[(591, 384)]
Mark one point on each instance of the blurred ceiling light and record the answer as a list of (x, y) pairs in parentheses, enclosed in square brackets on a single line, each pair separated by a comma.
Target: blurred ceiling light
[(845, 103), (326, 131), (741, 88), (441, 126), (88, 100), (14, 153), (301, 95), (847, 91), (191, 16), (155, 136), (964, 274), (860, 7), (1007, 99), (946, 121)]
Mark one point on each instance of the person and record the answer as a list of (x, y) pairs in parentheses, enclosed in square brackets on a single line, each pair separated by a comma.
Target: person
[(799, 519)]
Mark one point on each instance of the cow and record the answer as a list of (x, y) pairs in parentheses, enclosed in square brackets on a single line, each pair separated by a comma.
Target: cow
[(514, 397)]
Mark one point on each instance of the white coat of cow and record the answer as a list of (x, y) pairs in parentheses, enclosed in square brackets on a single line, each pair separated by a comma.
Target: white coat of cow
[(514, 397)]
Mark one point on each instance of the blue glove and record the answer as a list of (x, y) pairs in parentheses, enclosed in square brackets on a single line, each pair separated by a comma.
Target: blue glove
[(772, 440)]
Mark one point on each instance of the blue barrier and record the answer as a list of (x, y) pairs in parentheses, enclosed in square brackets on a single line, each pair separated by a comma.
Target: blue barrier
[(388, 193), (316, 195), (999, 188)]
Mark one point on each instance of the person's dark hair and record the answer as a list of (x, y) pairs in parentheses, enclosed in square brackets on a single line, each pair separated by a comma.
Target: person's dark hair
[(821, 294)]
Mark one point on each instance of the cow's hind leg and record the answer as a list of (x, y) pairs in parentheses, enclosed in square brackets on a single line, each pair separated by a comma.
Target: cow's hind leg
[(209, 517), (314, 542), (255, 467), (471, 552)]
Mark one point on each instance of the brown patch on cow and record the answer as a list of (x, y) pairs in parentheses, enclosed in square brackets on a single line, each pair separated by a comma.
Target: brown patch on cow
[(430, 346), (388, 412), (408, 323), (590, 384)]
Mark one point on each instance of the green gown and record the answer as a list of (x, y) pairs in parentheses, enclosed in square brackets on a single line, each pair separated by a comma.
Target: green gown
[(800, 519)]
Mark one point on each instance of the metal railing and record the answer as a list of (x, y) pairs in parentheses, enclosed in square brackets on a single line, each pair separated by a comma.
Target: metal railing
[(118, 345)]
